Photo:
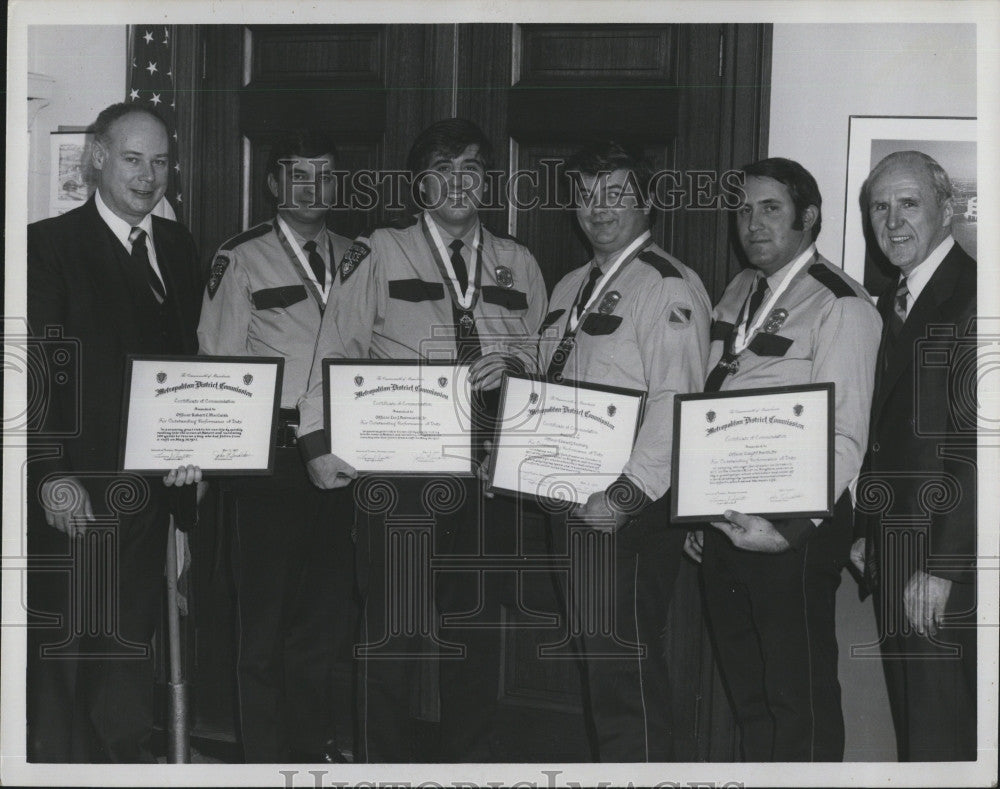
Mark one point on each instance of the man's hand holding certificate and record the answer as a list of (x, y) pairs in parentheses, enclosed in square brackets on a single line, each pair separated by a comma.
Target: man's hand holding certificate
[(761, 452), (563, 442)]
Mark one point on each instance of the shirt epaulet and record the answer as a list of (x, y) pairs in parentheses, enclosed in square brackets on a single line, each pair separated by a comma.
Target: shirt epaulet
[(660, 263), (247, 235), (826, 277)]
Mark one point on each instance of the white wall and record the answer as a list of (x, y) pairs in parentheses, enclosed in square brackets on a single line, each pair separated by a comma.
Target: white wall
[(820, 76), (63, 53), (823, 74)]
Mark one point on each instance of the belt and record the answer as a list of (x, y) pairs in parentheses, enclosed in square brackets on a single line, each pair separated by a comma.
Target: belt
[(285, 434)]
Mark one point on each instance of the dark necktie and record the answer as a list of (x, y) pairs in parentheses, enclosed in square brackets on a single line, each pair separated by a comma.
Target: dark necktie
[(315, 262), (588, 291), (727, 364), (458, 264), (756, 299), (899, 307), (140, 257)]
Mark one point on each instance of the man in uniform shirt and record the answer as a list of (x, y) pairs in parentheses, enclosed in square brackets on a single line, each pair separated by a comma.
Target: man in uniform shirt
[(266, 294), (791, 318), (442, 284), (633, 317), (923, 438)]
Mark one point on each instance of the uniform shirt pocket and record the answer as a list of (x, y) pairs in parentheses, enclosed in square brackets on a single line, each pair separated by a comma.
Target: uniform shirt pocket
[(415, 290), (596, 324), (505, 297), (770, 345), (275, 298)]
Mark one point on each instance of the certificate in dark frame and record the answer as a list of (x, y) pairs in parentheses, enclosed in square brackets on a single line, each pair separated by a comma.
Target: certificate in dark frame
[(676, 454), (329, 363), (206, 361), (544, 501)]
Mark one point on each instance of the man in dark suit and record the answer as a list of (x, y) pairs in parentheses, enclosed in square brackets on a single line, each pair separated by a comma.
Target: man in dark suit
[(916, 519), (109, 279)]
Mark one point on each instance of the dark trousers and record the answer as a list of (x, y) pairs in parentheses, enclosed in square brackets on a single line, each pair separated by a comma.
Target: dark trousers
[(617, 596), (931, 681), (772, 621), (92, 616), (472, 605), (402, 523), (292, 560)]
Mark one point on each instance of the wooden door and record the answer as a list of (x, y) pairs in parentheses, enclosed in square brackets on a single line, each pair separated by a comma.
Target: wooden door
[(693, 96)]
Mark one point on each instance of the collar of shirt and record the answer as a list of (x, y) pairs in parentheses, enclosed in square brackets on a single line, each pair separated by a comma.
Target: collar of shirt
[(920, 276), (120, 227), (778, 276), (321, 242), (468, 238)]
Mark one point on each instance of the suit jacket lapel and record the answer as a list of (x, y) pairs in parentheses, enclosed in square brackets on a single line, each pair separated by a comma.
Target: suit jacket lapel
[(109, 278), (926, 310)]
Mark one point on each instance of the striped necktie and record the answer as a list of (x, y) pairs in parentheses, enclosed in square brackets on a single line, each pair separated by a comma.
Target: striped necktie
[(899, 307), (140, 256)]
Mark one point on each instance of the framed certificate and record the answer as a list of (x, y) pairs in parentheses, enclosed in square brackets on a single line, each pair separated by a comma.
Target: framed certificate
[(562, 442), (766, 452), (401, 417), (217, 412)]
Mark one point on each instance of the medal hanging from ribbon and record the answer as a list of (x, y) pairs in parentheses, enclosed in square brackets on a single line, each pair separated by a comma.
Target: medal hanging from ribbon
[(295, 253), (568, 342), (746, 327)]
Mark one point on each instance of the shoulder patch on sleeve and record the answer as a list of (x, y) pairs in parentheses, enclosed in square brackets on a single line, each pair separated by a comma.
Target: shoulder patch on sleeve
[(247, 235), (661, 264), (826, 277), (352, 259), (215, 274)]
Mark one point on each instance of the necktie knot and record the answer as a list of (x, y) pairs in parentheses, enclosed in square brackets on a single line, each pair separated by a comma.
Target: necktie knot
[(137, 236), (309, 246)]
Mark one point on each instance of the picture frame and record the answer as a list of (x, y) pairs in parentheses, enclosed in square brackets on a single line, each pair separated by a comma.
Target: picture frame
[(68, 182), (951, 141)]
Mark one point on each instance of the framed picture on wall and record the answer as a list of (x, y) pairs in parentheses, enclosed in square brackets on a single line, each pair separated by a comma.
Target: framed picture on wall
[(68, 186), (949, 141)]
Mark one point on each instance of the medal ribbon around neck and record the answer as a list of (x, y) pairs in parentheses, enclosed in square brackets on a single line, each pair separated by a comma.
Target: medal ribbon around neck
[(468, 299), (288, 238), (625, 257), (744, 332)]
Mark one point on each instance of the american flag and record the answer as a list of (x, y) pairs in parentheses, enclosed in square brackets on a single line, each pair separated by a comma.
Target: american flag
[(151, 84)]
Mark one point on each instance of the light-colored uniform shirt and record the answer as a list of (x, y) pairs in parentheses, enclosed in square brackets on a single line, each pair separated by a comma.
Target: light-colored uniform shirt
[(652, 336), (390, 301), (261, 302), (822, 328)]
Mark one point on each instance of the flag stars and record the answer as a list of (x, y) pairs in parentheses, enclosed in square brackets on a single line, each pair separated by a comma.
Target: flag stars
[(148, 38), (177, 166), (156, 99), (151, 68), (133, 95)]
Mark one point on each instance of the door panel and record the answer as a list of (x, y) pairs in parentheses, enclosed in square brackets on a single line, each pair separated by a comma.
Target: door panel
[(693, 96)]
